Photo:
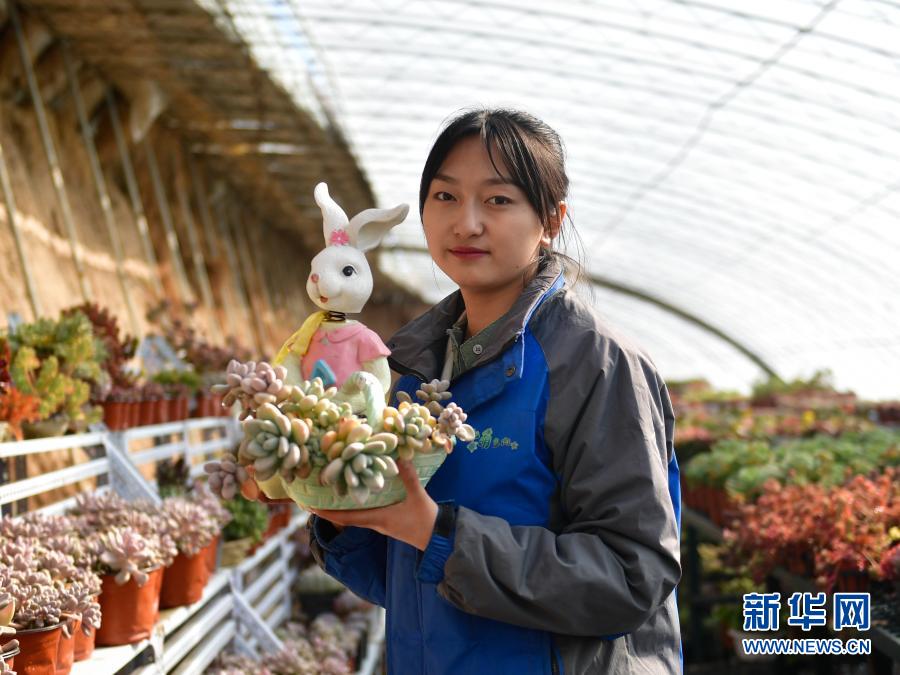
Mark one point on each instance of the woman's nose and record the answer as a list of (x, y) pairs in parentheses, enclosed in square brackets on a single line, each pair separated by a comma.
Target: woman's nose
[(314, 277), (468, 222)]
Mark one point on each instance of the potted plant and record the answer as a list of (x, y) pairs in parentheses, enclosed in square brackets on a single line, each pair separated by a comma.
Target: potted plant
[(57, 361), (130, 547), (193, 529), (248, 522), (180, 386), (131, 562), (39, 542)]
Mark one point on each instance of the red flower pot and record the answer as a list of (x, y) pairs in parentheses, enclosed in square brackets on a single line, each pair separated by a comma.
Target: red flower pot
[(147, 412), (134, 414), (84, 644), (38, 649), (162, 411), (65, 652), (184, 580), (114, 415), (174, 406), (211, 553), (129, 611), (184, 408)]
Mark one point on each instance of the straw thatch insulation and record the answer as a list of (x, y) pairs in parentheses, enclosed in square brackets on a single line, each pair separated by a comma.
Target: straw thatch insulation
[(179, 82), (231, 229)]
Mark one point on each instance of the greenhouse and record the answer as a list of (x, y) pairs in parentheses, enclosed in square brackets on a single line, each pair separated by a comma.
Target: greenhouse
[(595, 369)]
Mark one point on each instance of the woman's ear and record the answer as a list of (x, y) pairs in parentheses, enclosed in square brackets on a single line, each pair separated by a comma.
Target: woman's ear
[(554, 224)]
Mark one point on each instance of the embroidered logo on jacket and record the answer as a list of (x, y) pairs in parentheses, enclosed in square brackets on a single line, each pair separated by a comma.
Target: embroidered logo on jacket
[(486, 439)]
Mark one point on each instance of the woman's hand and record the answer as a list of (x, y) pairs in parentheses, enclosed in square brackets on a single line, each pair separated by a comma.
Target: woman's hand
[(410, 521)]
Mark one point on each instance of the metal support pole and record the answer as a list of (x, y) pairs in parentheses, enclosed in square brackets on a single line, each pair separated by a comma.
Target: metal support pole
[(13, 216), (234, 266), (59, 184), (159, 191), (209, 232), (134, 195), (197, 257), (100, 185)]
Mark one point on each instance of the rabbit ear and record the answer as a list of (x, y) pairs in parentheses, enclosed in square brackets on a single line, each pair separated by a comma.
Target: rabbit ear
[(333, 216), (367, 228)]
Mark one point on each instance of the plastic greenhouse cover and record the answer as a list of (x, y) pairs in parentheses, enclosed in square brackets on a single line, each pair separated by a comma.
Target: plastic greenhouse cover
[(737, 160)]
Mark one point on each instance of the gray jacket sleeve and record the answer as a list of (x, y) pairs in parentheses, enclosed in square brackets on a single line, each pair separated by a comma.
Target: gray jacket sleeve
[(613, 559)]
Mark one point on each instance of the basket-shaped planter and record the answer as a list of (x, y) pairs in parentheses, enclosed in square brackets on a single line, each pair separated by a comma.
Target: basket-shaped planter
[(308, 493)]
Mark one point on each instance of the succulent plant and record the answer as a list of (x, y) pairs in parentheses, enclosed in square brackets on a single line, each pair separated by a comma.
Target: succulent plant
[(252, 384), (359, 461), (190, 525), (128, 555), (276, 443), (291, 430)]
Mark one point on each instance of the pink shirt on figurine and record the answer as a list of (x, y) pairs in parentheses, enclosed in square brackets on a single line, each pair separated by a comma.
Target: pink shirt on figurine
[(343, 349)]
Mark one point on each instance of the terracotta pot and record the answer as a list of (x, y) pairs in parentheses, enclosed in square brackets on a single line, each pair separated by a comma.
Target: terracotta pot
[(203, 407), (129, 611), (113, 412), (184, 580), (184, 408), (211, 554), (147, 412), (84, 644), (134, 414), (233, 552), (162, 411), (65, 652), (38, 648)]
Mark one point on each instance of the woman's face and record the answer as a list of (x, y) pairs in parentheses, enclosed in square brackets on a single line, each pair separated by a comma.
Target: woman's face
[(481, 229)]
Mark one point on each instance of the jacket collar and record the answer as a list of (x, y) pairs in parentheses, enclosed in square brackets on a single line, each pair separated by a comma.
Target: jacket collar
[(419, 347)]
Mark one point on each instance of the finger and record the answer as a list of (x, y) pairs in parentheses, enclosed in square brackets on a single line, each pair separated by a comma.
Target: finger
[(409, 477)]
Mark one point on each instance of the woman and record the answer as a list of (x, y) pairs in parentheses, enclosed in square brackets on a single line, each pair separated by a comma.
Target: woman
[(550, 543)]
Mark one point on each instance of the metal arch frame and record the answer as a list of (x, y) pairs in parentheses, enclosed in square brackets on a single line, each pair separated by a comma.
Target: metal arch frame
[(638, 294), (481, 59), (815, 273), (514, 6)]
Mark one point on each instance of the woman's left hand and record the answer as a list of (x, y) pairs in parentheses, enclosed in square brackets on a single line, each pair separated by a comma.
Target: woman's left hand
[(410, 521)]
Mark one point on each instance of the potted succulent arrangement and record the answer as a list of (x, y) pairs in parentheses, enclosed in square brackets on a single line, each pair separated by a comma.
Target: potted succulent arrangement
[(304, 442), (248, 522), (16, 408), (154, 408), (57, 362), (48, 596), (179, 387), (215, 510), (131, 548), (69, 561), (194, 530)]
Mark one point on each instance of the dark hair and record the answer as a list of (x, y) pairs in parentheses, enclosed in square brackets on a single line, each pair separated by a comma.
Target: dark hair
[(530, 149)]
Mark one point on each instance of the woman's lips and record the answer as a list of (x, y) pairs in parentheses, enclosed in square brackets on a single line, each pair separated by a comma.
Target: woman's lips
[(468, 253)]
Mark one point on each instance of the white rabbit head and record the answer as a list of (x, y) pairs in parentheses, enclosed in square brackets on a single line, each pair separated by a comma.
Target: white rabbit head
[(340, 279)]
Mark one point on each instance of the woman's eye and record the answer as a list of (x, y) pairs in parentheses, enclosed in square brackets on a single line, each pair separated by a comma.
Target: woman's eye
[(442, 196), (500, 199), (348, 271)]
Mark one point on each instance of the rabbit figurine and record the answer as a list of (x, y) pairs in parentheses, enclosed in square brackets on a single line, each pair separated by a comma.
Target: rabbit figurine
[(328, 345)]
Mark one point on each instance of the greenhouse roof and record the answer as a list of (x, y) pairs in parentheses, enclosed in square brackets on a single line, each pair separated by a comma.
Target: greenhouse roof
[(735, 166)]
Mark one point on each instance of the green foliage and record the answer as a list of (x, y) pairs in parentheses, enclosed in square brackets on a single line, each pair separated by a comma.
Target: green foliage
[(248, 519), (743, 467), (57, 361), (821, 380), (177, 381)]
